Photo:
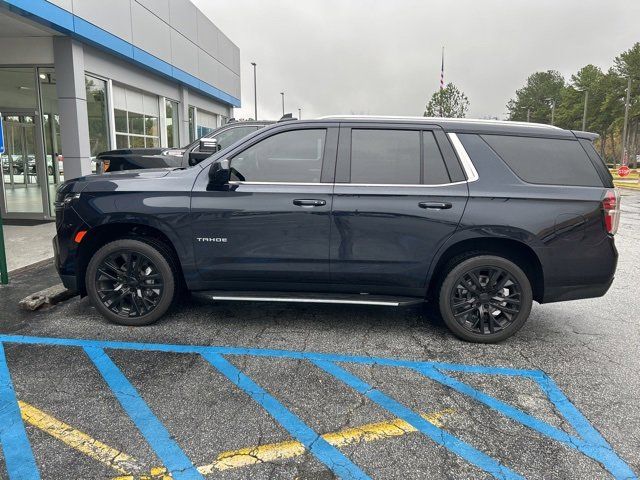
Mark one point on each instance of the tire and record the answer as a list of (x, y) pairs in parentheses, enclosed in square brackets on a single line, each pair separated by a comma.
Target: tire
[(480, 311), (125, 296)]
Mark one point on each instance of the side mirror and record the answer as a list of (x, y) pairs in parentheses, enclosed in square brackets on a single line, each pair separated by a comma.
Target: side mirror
[(209, 145), (220, 173)]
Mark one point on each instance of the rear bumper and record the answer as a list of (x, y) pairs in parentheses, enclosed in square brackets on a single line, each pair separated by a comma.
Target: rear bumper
[(575, 292), (589, 277)]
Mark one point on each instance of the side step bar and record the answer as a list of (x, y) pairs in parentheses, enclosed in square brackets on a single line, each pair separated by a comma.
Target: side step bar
[(355, 299)]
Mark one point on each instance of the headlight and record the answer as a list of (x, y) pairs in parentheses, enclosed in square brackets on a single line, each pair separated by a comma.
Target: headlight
[(65, 199)]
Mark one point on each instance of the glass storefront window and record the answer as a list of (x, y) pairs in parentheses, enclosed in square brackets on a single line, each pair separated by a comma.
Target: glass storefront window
[(51, 131), (172, 124), (97, 114), (137, 117), (207, 122)]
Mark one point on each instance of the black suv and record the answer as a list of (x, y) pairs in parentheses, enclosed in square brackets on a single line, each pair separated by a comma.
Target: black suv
[(195, 152), (478, 217)]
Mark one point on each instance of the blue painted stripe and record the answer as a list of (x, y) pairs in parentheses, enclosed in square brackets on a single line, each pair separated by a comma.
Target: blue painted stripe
[(152, 61), (438, 435), (260, 352), (16, 448), (102, 38), (45, 12), (570, 412), (66, 22), (598, 451), (318, 446), (168, 451)]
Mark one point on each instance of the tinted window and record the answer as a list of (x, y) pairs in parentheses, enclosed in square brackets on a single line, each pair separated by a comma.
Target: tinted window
[(546, 160), (294, 156), (435, 171), (385, 156), (231, 136)]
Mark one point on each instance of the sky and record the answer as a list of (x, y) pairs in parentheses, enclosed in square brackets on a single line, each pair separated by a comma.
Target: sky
[(382, 57)]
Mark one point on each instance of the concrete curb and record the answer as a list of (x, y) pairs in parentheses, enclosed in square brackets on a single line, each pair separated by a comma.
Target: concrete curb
[(31, 266), (49, 296)]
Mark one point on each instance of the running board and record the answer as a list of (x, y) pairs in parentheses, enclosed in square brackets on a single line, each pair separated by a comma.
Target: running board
[(354, 299)]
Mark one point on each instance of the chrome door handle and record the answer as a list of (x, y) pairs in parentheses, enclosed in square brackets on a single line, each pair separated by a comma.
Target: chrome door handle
[(435, 205), (309, 202)]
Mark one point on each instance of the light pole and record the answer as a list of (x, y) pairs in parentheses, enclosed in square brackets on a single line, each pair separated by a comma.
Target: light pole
[(528, 114), (255, 92), (299, 114), (584, 112), (553, 109), (626, 120), (282, 93)]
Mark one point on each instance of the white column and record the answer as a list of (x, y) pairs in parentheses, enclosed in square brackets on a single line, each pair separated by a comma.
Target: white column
[(183, 116), (72, 103)]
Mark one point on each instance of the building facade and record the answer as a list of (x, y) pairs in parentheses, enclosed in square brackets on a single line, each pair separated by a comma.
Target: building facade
[(81, 77)]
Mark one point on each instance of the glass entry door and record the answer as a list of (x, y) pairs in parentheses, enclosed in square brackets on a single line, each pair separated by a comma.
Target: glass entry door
[(23, 168)]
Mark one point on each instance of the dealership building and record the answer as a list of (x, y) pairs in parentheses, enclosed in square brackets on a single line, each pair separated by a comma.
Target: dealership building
[(78, 77)]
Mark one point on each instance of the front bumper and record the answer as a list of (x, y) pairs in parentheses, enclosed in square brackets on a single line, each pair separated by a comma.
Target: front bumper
[(69, 281)]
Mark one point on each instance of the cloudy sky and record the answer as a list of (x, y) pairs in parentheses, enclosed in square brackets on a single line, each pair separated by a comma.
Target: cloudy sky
[(383, 56)]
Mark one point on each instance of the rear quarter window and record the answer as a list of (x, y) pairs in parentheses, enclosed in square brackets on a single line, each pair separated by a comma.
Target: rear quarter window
[(547, 161)]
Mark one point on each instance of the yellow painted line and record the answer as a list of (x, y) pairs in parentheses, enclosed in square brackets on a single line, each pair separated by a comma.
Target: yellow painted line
[(289, 449), (127, 466), (80, 441)]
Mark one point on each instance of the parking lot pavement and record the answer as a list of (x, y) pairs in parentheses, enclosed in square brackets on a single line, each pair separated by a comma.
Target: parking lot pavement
[(318, 391)]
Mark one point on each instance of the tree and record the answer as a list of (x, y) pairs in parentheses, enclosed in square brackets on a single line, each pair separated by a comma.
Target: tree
[(533, 101), (627, 65), (448, 102)]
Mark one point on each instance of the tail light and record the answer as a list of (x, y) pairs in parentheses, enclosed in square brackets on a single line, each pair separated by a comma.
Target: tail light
[(611, 208), (105, 165)]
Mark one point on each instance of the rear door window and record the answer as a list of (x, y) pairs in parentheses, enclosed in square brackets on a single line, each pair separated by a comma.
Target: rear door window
[(547, 161), (434, 169), (385, 156)]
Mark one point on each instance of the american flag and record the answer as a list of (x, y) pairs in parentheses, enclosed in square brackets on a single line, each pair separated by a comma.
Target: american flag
[(442, 71)]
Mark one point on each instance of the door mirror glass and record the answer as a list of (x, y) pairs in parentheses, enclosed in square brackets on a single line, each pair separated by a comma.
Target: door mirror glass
[(219, 173), (209, 145)]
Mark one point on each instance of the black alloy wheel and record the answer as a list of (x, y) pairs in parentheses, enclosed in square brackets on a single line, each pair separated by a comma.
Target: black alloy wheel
[(129, 284), (485, 298), (132, 281)]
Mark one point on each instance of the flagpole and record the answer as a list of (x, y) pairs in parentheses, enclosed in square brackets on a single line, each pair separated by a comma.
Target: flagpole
[(441, 81), (442, 71)]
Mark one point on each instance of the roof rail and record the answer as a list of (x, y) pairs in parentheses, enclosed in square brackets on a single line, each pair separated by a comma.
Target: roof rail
[(438, 119)]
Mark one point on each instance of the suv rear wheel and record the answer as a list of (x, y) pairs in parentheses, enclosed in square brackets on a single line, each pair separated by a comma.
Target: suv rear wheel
[(131, 282), (485, 298)]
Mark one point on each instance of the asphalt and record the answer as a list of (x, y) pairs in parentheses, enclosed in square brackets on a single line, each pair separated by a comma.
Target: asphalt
[(589, 348)]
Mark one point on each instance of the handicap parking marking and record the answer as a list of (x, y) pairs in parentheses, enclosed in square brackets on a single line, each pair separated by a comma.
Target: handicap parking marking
[(131, 469), (78, 440), (13, 436), (588, 440)]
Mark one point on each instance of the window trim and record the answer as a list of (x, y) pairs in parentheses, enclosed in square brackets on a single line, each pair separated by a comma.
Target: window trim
[(467, 164)]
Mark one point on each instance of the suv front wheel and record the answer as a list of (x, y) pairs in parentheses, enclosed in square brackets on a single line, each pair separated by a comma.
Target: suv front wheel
[(485, 298), (131, 282)]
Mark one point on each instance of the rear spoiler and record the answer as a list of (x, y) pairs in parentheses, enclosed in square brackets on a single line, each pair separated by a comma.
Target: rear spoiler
[(586, 135)]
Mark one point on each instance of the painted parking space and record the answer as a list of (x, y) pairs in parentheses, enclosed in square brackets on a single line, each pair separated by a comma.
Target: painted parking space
[(330, 448)]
